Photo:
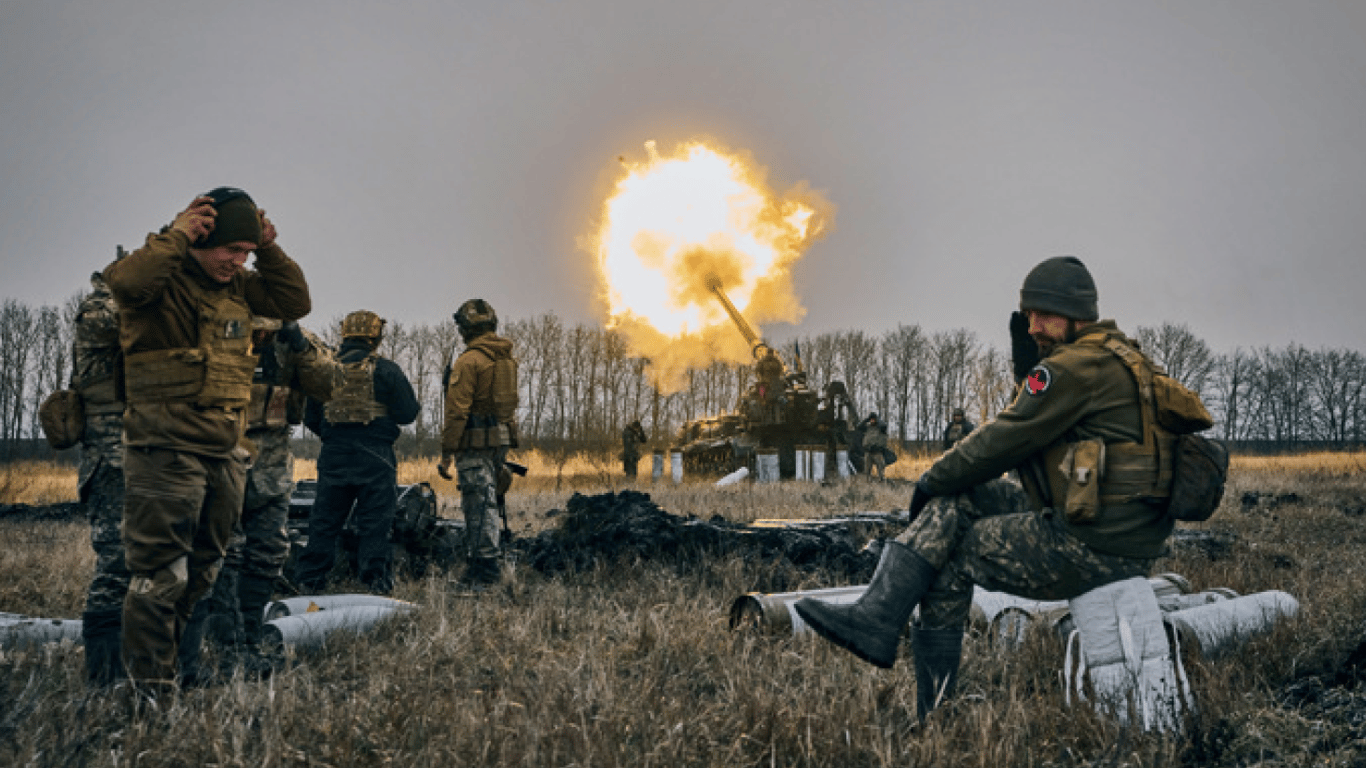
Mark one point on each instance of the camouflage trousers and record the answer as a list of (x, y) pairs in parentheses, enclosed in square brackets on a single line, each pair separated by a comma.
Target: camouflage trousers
[(988, 537), (179, 512), (103, 496), (875, 460), (477, 474), (258, 548)]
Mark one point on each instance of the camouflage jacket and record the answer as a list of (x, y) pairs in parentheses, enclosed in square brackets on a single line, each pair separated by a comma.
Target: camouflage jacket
[(95, 362), (283, 378), (1080, 391)]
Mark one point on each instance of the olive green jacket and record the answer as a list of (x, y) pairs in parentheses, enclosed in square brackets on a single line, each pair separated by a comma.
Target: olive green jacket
[(1078, 392)]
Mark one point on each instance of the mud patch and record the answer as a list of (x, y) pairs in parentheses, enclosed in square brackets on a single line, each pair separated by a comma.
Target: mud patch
[(628, 527)]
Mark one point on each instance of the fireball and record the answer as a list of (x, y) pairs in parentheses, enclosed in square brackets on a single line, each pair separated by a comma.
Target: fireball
[(676, 227)]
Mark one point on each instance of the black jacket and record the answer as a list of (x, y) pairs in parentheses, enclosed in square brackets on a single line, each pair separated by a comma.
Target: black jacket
[(391, 388)]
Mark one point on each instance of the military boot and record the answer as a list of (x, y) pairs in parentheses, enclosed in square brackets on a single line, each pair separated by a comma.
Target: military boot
[(101, 631), (871, 628), (191, 670), (937, 656), (481, 573)]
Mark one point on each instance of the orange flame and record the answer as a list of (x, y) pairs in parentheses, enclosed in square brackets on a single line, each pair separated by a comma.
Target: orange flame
[(674, 227)]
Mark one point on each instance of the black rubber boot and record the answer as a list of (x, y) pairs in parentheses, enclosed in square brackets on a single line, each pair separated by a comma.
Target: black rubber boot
[(253, 592), (871, 628), (191, 670), (481, 573), (937, 655), (102, 633)]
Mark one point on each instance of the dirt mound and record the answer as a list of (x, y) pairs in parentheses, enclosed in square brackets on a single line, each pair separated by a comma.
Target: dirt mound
[(626, 527)]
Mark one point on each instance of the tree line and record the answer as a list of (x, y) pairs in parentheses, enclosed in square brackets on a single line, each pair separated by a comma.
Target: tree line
[(580, 385)]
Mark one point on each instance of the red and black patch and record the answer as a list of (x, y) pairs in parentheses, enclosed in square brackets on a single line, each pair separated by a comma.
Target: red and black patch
[(1038, 380)]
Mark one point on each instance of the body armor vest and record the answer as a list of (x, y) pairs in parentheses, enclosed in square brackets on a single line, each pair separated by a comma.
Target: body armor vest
[(215, 374), (353, 394), (490, 423)]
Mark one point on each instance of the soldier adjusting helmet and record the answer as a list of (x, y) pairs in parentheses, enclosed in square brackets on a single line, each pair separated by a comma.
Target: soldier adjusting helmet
[(1061, 286), (363, 324), (475, 317)]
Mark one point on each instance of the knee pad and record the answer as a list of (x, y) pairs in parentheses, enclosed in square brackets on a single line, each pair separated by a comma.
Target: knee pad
[(164, 585)]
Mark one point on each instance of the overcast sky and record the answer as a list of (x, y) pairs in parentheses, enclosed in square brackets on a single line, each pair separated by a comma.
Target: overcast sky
[(1204, 158)]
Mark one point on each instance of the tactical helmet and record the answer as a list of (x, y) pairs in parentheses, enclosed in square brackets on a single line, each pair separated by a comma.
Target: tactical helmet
[(474, 317), (362, 324), (1061, 286)]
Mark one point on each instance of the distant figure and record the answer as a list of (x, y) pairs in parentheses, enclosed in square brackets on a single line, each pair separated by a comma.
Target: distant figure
[(632, 437), (371, 399), (959, 427), (875, 446)]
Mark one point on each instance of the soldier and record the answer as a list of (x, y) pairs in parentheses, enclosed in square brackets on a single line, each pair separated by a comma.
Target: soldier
[(479, 428), (97, 363), (632, 437), (874, 444), (186, 303), (968, 528), (292, 365), (959, 427), (371, 399)]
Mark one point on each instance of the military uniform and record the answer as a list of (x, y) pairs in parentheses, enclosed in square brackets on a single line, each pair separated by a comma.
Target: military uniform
[(371, 399), (959, 427), (479, 428), (188, 365), (632, 437), (873, 444), (1096, 471), (100, 478)]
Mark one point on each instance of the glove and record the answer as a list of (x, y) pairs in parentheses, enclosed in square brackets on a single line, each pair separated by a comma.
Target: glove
[(1024, 351), (292, 336), (919, 498), (443, 467)]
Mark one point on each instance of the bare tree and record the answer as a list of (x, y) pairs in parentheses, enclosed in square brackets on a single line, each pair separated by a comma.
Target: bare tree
[(1186, 357)]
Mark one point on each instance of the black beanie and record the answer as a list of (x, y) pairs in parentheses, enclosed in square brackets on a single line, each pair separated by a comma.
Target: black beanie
[(1061, 286), (237, 220)]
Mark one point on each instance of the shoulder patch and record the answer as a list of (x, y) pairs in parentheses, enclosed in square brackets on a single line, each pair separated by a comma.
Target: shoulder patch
[(1038, 380)]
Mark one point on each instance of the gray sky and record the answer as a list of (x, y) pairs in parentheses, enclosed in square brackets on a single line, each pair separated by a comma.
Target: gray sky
[(1204, 158)]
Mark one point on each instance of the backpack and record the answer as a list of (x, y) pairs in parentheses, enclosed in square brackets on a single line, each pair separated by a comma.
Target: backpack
[(62, 416)]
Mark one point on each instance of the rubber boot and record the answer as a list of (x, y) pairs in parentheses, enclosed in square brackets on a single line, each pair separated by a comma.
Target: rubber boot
[(102, 632), (253, 593), (191, 671), (937, 656), (481, 573), (871, 627)]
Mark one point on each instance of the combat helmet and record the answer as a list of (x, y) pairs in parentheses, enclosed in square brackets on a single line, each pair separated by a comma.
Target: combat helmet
[(475, 317), (1061, 286), (363, 324)]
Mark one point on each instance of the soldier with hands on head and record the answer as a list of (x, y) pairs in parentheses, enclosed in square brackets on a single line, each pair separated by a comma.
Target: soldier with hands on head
[(479, 428), (959, 427), (186, 302), (1061, 536), (371, 399), (632, 437), (96, 366), (874, 444), (292, 365)]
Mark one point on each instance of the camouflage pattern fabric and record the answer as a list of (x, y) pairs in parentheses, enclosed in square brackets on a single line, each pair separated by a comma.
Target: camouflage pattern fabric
[(988, 537), (102, 493), (478, 479)]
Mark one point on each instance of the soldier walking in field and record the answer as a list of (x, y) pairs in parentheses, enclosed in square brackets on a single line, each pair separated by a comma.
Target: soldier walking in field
[(186, 303), (480, 426), (1051, 541), (959, 427), (632, 437), (371, 399), (97, 362)]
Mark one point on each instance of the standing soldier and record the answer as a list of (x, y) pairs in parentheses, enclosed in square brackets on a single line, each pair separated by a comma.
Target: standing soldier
[(186, 303), (97, 364), (371, 399), (874, 445), (1081, 402), (632, 437), (481, 403), (959, 427), (292, 365)]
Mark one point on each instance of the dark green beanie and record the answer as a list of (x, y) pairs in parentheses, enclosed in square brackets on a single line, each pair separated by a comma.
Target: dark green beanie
[(237, 220), (1062, 286)]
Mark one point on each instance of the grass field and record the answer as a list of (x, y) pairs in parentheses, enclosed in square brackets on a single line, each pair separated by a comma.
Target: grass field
[(635, 665)]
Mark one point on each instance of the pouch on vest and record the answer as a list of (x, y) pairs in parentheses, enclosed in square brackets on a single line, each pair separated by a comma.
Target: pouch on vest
[(1199, 477), (62, 416), (1083, 465)]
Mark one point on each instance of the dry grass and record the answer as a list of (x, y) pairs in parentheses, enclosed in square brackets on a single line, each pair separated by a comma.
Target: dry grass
[(634, 666)]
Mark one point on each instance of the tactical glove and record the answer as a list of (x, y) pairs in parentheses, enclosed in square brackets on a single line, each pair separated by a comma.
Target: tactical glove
[(919, 498), (1024, 351), (292, 337)]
